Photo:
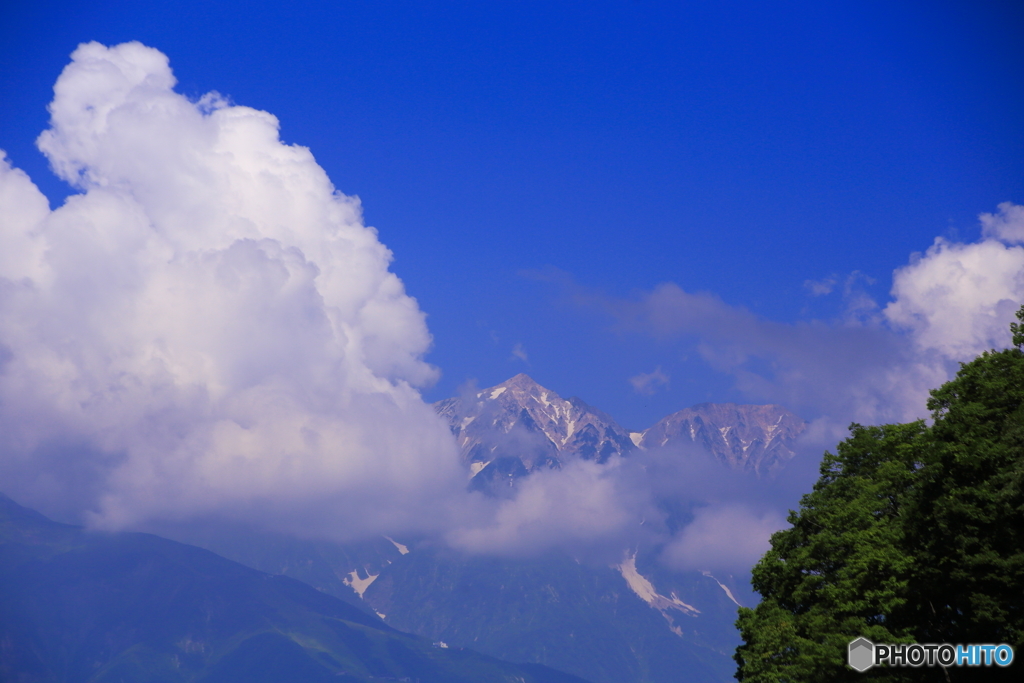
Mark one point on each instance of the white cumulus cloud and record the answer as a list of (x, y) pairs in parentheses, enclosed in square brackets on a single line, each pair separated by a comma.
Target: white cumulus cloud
[(958, 299), (208, 327)]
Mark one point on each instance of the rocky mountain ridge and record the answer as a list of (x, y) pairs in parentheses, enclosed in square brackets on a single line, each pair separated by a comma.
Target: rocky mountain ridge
[(756, 438), (513, 428)]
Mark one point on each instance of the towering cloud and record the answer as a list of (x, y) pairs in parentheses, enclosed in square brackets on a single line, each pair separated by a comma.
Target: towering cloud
[(208, 327)]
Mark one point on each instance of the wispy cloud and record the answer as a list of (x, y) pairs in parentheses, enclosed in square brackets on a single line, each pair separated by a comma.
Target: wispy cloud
[(821, 287), (648, 383), (519, 353), (877, 363)]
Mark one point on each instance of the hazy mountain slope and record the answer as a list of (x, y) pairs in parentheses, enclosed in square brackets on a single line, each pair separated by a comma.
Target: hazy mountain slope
[(550, 610), (338, 569), (581, 618), (755, 438), (78, 606)]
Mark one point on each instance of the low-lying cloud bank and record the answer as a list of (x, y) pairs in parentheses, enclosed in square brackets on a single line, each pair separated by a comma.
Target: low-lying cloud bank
[(209, 331), (676, 501)]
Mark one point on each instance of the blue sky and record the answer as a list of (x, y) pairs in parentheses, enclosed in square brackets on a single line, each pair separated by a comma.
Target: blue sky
[(532, 164)]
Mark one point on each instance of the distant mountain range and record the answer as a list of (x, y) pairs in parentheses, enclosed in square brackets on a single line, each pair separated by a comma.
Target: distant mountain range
[(518, 426), (634, 622), (164, 606)]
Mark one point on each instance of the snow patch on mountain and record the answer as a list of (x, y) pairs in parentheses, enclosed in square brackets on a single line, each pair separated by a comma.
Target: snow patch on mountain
[(723, 587), (643, 587), (358, 584), (402, 548), (645, 590)]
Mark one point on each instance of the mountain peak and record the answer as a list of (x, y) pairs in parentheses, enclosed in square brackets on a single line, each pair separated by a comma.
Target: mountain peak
[(520, 383), (518, 426)]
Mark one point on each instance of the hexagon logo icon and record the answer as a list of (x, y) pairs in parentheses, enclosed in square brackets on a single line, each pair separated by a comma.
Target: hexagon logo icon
[(861, 654)]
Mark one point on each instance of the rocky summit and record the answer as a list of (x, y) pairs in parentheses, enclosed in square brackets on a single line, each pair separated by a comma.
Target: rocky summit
[(519, 426), (750, 438)]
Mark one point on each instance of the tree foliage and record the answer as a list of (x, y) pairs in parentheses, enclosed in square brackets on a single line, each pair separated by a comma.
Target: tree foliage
[(913, 533)]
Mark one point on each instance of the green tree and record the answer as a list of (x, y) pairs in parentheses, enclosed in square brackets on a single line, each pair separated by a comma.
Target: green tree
[(913, 533), (968, 527), (840, 571)]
